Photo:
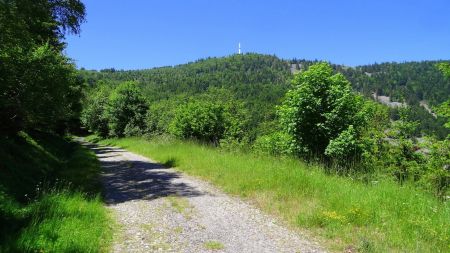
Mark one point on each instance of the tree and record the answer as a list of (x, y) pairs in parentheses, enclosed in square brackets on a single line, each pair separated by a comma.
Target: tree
[(95, 104), (318, 109), (444, 108), (38, 85), (126, 110), (444, 111)]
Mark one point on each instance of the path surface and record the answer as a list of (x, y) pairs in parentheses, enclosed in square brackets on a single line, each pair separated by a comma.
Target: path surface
[(161, 210)]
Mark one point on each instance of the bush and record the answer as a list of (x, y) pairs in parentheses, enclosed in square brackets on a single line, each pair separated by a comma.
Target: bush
[(277, 143), (159, 116), (199, 120), (437, 169), (208, 121)]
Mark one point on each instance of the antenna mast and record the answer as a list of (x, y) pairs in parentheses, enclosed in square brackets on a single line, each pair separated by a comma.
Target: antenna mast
[(239, 45)]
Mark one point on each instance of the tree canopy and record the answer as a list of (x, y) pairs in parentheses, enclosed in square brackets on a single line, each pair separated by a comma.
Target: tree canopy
[(39, 86)]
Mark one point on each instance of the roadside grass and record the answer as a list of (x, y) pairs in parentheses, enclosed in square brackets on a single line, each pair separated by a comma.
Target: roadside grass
[(180, 205), (344, 214), (50, 197), (213, 245), (64, 221)]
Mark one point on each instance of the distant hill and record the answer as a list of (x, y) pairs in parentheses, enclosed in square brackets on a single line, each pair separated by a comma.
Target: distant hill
[(410, 82), (244, 74), (262, 80)]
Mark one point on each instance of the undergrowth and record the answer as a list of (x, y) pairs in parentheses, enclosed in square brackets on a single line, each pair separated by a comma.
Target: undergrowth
[(50, 196)]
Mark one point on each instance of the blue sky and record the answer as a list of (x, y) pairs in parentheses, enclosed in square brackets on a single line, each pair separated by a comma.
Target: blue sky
[(137, 34)]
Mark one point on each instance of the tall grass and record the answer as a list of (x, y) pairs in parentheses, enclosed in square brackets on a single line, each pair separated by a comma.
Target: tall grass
[(66, 221), (50, 197), (344, 214)]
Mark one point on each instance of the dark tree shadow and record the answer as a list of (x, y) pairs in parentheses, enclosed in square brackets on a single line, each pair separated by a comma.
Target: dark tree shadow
[(134, 180)]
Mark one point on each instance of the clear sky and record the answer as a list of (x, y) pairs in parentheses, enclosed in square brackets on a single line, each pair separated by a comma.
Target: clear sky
[(137, 34)]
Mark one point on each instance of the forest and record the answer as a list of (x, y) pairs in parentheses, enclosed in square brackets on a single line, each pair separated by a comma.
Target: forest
[(310, 116), (262, 80), (252, 101)]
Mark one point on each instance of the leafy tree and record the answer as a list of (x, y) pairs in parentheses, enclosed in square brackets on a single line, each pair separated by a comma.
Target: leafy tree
[(402, 160), (437, 175), (126, 110), (444, 111), (345, 145), (318, 108), (38, 86), (94, 115), (159, 116)]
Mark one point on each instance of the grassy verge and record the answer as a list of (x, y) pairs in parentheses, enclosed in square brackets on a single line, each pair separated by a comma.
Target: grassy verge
[(49, 197), (346, 214)]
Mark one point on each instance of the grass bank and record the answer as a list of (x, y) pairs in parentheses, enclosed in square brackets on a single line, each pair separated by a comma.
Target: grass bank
[(50, 196), (345, 214)]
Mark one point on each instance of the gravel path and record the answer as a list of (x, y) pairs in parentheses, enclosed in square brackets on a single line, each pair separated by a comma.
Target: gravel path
[(161, 210)]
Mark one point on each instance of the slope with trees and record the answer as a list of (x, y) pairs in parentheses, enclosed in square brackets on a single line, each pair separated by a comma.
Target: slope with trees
[(261, 81), (48, 184)]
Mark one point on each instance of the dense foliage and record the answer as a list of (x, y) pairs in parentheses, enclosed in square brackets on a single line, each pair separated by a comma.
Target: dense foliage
[(126, 110), (261, 82), (258, 80), (409, 82), (322, 111), (48, 184), (208, 121), (39, 87), (117, 112)]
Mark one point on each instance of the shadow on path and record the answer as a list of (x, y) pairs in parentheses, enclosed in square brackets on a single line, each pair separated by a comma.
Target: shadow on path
[(127, 179)]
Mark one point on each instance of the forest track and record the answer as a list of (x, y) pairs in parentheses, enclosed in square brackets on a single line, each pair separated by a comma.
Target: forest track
[(161, 210)]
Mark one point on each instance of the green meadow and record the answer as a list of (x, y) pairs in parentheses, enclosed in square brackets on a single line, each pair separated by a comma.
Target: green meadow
[(343, 213)]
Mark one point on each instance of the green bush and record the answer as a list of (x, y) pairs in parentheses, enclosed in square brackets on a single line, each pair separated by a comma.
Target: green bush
[(277, 143), (201, 120), (208, 121), (436, 176), (160, 114)]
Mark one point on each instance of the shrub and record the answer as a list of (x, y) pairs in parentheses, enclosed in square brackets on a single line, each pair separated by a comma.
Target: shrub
[(437, 174), (159, 116), (199, 120), (208, 121), (277, 143)]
